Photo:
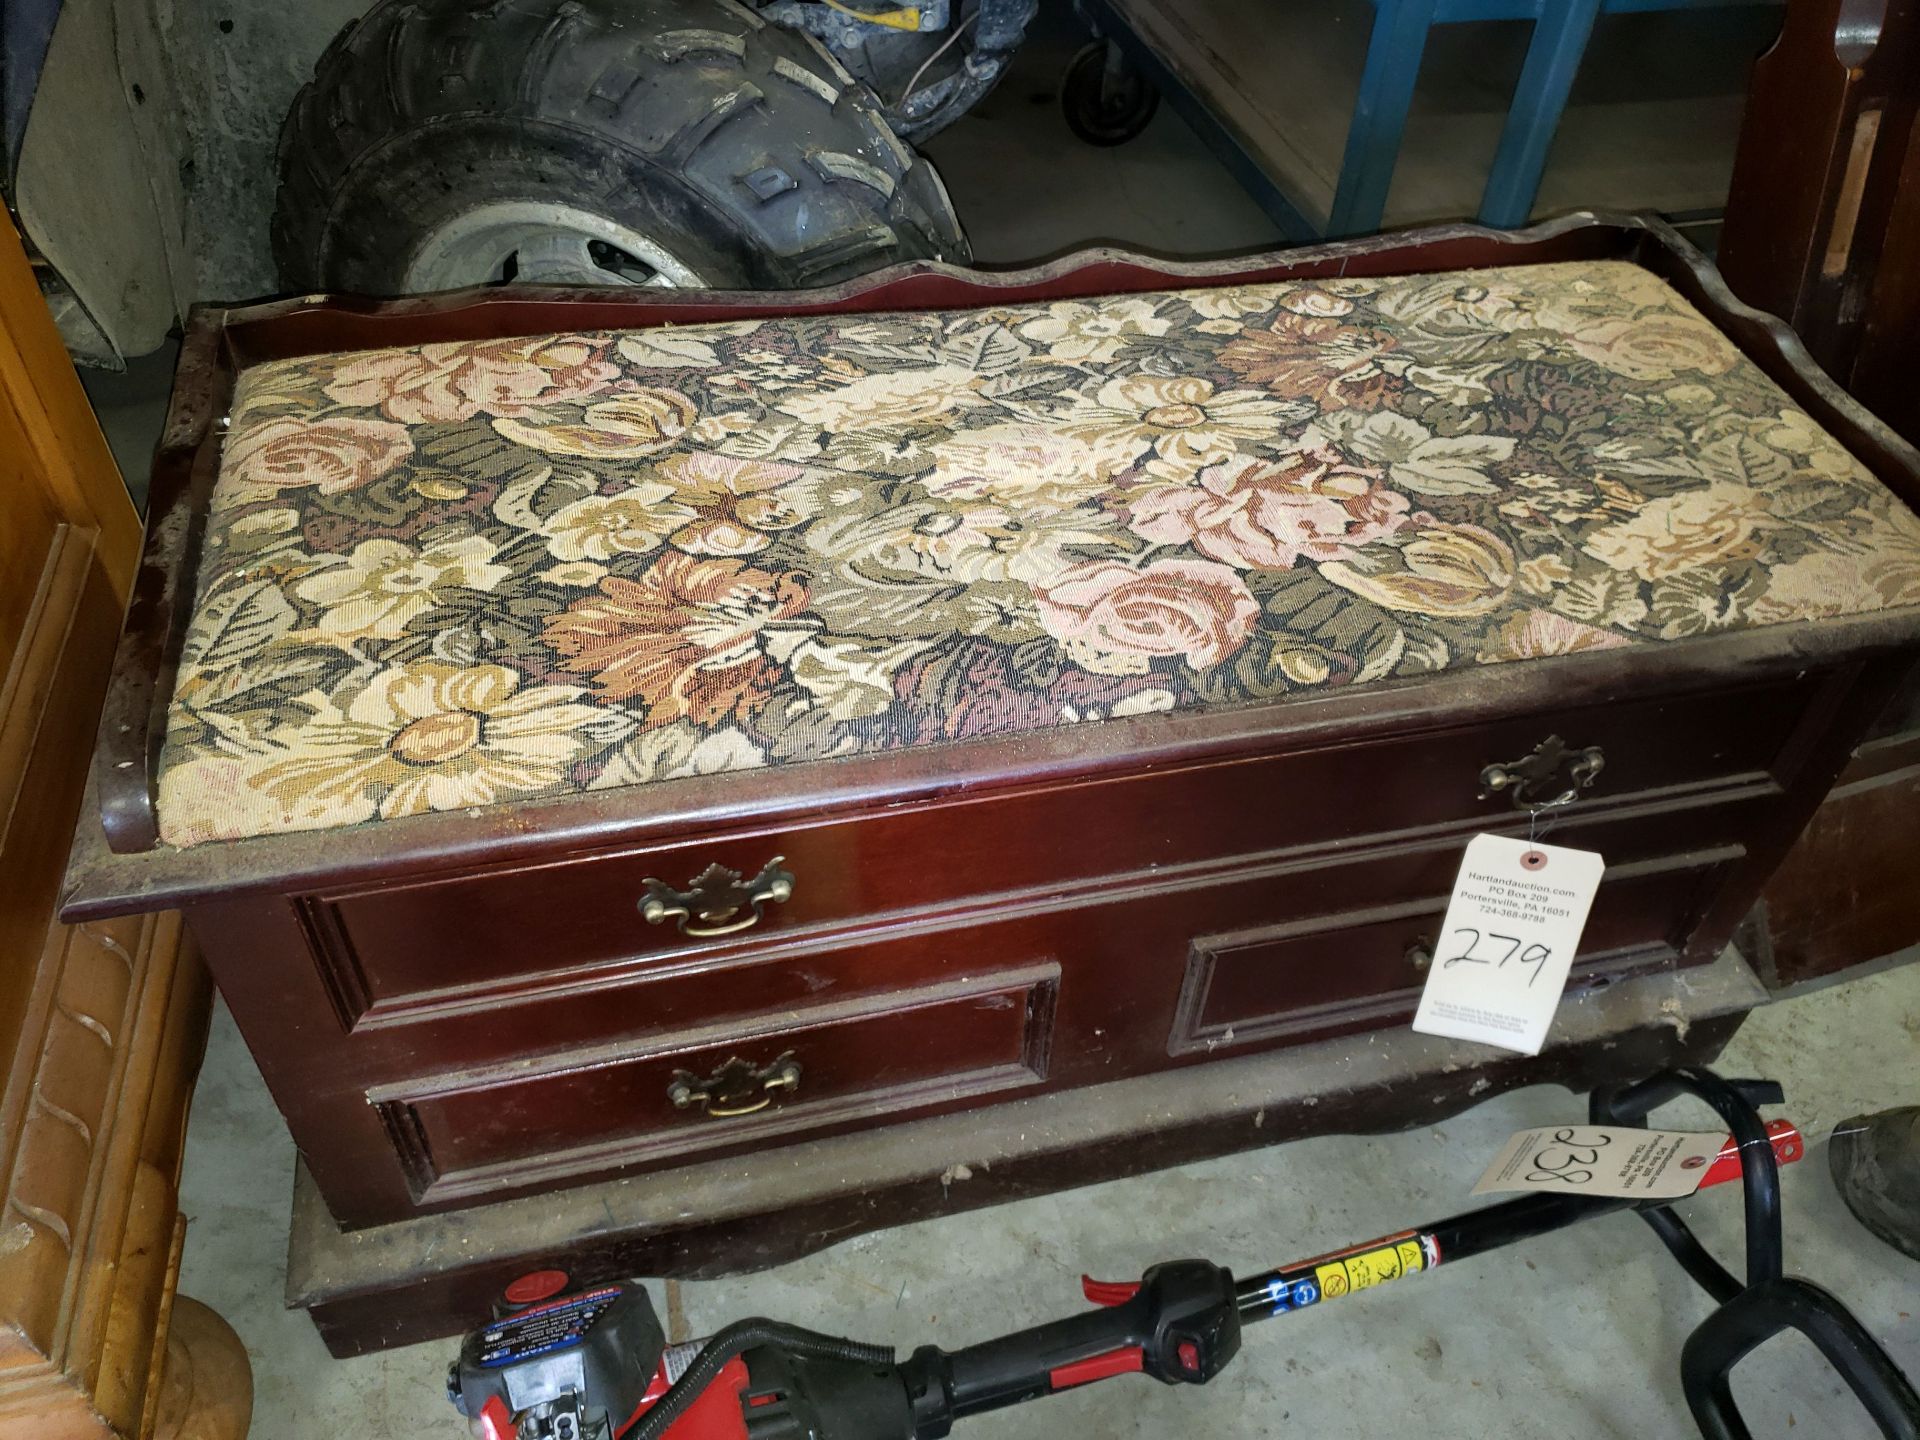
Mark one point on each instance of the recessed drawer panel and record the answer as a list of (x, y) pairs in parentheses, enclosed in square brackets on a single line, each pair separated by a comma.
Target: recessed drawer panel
[(748, 1084), (1317, 977), (400, 944)]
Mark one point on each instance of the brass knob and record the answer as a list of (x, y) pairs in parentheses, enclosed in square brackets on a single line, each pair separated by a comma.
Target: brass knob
[(1420, 954)]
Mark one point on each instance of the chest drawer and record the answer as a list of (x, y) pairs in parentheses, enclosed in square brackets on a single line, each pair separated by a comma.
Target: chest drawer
[(1162, 969), (401, 946), (769, 1079), (1352, 970)]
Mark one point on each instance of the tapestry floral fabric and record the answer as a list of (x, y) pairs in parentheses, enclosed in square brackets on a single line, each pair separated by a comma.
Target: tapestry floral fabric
[(466, 574)]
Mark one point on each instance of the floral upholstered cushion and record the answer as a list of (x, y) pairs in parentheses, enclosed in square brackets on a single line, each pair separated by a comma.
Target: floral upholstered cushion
[(463, 574)]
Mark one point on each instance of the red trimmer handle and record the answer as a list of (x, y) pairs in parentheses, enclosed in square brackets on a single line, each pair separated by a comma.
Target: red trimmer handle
[(1788, 1146)]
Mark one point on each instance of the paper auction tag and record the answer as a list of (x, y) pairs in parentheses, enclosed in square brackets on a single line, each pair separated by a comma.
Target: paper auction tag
[(1603, 1160), (1505, 947)]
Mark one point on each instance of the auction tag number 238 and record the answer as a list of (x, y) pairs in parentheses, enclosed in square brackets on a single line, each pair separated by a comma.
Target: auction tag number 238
[(1615, 1160)]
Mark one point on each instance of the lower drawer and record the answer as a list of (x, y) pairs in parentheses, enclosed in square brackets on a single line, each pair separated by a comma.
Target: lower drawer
[(1358, 970), (747, 1084)]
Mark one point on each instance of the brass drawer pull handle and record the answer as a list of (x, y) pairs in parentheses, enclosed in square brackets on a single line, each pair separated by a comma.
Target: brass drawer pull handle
[(1420, 955), (736, 1088), (717, 902), (1527, 779)]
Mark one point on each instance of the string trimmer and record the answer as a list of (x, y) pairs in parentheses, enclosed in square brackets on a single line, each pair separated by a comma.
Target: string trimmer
[(595, 1364)]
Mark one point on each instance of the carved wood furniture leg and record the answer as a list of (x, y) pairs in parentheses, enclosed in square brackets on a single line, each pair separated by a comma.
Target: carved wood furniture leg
[(205, 1390)]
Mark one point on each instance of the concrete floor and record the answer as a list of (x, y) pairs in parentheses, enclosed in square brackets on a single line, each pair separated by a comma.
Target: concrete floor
[(1573, 1335)]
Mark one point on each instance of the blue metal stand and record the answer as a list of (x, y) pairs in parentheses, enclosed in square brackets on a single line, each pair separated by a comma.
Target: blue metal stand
[(1380, 113), (1561, 31), (1560, 36)]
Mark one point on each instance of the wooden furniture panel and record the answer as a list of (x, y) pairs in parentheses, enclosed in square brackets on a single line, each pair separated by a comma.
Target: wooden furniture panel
[(1312, 978), (1846, 894), (101, 1024), (1123, 952), (53, 685), (1823, 224), (27, 527), (428, 1275), (1823, 228), (1151, 913)]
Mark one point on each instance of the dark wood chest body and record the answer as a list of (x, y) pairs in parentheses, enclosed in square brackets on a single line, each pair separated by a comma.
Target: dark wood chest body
[(465, 1007)]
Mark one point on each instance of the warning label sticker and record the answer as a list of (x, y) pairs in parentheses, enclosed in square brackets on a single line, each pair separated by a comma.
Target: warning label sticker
[(1368, 1268), (544, 1328)]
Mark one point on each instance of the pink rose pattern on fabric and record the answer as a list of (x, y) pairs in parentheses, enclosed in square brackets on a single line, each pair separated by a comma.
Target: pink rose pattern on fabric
[(449, 382), (472, 573), (331, 455), (1191, 609), (1254, 513)]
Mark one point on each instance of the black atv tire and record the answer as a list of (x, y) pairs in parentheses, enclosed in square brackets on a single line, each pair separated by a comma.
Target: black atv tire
[(739, 149)]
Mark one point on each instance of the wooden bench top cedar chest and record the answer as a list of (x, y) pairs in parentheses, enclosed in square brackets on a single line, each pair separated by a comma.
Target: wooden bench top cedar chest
[(600, 733)]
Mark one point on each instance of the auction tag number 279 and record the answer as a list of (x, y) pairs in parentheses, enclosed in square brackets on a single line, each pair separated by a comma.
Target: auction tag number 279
[(1512, 927), (1535, 954)]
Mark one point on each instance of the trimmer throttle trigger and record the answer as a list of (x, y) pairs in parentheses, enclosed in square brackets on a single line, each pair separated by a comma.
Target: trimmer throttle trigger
[(496, 1421), (1109, 1292)]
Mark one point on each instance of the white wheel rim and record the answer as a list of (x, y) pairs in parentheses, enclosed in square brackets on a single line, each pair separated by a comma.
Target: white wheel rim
[(541, 243)]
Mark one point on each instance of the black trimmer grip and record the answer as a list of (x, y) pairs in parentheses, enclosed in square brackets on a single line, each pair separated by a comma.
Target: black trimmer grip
[(1181, 1326)]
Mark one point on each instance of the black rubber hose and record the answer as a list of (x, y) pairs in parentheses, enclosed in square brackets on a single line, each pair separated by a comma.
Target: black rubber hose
[(737, 1339)]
